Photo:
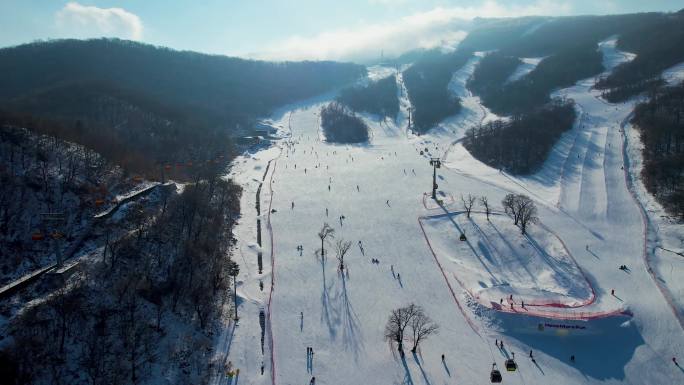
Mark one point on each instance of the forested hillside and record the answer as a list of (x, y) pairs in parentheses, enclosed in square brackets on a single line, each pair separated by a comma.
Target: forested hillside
[(426, 82), (661, 124), (378, 97), (521, 145), (492, 73), (150, 98), (562, 69), (658, 46)]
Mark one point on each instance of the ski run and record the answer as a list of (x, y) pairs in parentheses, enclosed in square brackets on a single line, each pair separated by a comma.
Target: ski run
[(595, 216)]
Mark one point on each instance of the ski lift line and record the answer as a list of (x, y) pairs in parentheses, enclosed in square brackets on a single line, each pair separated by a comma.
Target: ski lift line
[(467, 318), (451, 290)]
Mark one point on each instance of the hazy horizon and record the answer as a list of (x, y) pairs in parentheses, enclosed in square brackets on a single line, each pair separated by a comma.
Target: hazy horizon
[(358, 30)]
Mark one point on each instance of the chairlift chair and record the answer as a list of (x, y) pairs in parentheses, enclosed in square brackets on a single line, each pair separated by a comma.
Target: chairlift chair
[(495, 375), (511, 366)]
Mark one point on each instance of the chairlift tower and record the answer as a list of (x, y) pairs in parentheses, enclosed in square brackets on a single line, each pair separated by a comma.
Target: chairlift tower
[(435, 163)]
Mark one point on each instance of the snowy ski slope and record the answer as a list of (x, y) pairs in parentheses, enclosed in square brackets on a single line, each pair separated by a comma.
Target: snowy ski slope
[(584, 200)]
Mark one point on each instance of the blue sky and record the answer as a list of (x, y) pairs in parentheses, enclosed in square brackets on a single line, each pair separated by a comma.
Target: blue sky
[(284, 29)]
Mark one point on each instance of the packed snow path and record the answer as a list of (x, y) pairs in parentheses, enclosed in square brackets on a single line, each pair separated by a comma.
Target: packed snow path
[(373, 193)]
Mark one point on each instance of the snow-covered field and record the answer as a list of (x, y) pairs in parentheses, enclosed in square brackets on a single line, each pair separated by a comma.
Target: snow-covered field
[(495, 261), (374, 196)]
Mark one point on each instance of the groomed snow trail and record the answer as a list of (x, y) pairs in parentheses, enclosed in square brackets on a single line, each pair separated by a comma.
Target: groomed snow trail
[(374, 193)]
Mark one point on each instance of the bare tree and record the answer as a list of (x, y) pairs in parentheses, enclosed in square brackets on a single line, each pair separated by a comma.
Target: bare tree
[(468, 203), (485, 203), (341, 248), (527, 212), (326, 232), (421, 327), (398, 320), (510, 207), (521, 208)]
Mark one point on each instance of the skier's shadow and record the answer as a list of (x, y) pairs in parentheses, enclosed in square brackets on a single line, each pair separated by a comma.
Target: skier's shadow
[(446, 368), (538, 367)]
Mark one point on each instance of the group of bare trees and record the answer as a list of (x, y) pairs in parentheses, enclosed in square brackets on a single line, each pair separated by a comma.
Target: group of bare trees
[(342, 246), (518, 206), (341, 125), (409, 321), (469, 201), (522, 209)]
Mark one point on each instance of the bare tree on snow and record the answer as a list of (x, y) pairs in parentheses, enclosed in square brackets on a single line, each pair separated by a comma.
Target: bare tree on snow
[(485, 203), (421, 327), (341, 249), (326, 232), (522, 209), (468, 203)]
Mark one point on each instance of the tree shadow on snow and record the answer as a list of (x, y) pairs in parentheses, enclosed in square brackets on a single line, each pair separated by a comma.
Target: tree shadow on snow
[(325, 300), (351, 332), (408, 380), (415, 357)]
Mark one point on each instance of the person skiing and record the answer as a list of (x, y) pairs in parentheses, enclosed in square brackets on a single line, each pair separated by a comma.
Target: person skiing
[(531, 354), (313, 381), (674, 359), (292, 208), (442, 357), (612, 292)]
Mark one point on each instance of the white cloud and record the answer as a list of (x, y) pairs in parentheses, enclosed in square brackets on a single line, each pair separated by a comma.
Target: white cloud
[(439, 27), (81, 21)]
